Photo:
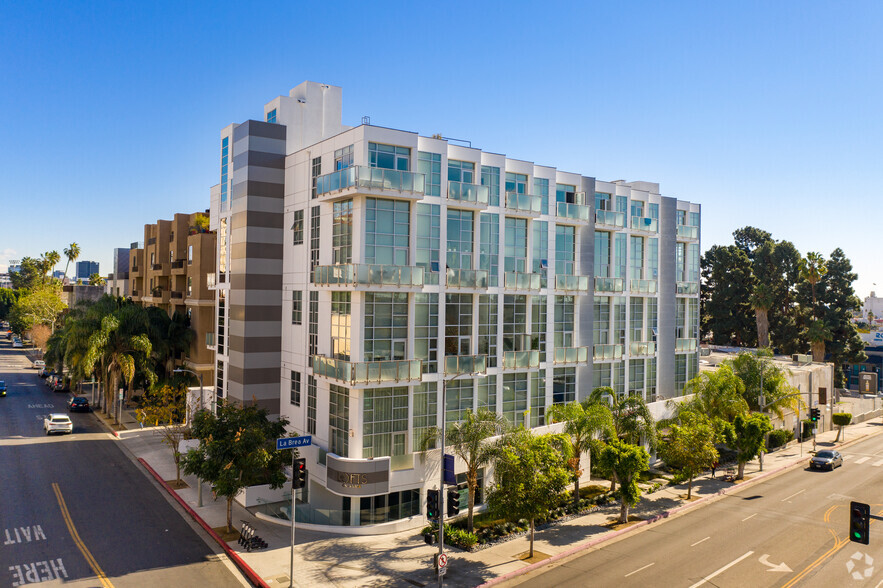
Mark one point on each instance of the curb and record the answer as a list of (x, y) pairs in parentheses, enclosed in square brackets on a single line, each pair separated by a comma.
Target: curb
[(661, 516), (234, 557)]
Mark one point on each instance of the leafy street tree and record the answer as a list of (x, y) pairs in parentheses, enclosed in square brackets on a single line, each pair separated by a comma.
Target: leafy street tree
[(748, 366), (689, 446), (41, 306), (633, 422), (8, 298), (749, 442), (728, 282), (165, 408), (719, 394), (584, 423), (531, 474), (627, 462), (841, 419), (237, 449), (72, 252), (469, 440)]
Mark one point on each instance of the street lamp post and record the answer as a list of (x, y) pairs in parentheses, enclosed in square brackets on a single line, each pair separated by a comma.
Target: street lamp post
[(201, 407)]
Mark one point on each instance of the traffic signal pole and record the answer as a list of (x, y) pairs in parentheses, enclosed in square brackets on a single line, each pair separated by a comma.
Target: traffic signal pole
[(293, 481), (441, 488)]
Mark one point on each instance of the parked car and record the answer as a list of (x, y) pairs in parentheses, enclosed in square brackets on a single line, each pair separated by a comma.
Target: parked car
[(61, 385), (826, 460), (16, 343), (78, 403), (58, 423), (39, 364), (2, 388), (43, 373)]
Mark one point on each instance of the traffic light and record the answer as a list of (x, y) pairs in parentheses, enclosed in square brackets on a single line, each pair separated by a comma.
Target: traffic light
[(859, 522), (299, 476), (453, 502), (432, 506), (814, 414)]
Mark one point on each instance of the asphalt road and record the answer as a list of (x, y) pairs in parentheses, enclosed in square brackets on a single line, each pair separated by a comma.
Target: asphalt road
[(75, 510), (790, 530)]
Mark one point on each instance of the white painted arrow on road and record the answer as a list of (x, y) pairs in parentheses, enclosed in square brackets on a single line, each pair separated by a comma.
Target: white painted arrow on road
[(764, 559)]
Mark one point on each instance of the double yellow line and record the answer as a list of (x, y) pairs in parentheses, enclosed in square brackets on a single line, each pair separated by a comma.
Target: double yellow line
[(79, 542)]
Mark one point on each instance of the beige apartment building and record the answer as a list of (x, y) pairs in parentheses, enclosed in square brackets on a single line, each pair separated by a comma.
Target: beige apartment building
[(172, 271)]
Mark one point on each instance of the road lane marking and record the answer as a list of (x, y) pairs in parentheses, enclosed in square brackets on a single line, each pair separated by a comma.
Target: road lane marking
[(79, 542), (862, 459), (749, 517), (793, 495), (639, 569), (721, 570), (700, 541), (877, 464)]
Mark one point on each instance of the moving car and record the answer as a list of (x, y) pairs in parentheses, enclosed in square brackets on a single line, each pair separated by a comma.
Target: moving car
[(826, 460), (58, 423), (2, 388), (39, 364), (78, 403)]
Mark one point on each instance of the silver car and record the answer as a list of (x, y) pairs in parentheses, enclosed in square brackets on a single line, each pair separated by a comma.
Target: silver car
[(826, 460)]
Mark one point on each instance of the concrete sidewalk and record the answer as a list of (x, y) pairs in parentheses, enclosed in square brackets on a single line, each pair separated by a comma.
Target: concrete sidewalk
[(403, 559)]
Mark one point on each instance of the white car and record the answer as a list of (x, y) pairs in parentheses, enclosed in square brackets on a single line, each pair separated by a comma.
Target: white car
[(16, 343), (58, 423), (39, 364)]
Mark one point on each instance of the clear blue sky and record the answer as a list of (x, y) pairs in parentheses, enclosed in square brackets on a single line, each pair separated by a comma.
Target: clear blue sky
[(766, 113)]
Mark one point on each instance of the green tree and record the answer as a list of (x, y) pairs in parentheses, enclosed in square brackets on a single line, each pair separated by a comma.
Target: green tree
[(845, 346), (531, 473), (469, 440), (762, 300), (633, 422), (584, 423), (71, 252), (237, 449), (38, 307), (750, 239), (8, 298), (749, 437), (718, 394), (728, 281), (777, 392), (812, 268), (165, 407), (818, 333), (28, 277), (841, 419), (627, 462), (689, 446), (97, 280), (48, 261)]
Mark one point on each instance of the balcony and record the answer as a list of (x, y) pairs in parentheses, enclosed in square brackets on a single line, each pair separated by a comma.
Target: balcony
[(573, 284), (573, 212), (210, 340), (688, 288), (521, 360), (645, 224), (151, 241), (607, 352), (685, 345), (177, 295), (136, 294), (609, 285), (178, 266), (367, 372), (521, 281), (352, 275), (370, 180), (135, 271), (639, 348), (688, 233), (471, 195), (465, 364), (523, 204), (571, 355), (609, 218), (642, 286), (464, 278)]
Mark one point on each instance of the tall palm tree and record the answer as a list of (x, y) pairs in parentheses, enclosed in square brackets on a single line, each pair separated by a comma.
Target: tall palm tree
[(72, 252), (812, 268), (467, 440), (817, 333), (583, 422), (48, 261), (762, 300)]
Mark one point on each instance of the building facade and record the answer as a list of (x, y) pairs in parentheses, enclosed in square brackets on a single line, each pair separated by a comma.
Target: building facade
[(85, 269), (365, 272), (117, 283), (174, 270)]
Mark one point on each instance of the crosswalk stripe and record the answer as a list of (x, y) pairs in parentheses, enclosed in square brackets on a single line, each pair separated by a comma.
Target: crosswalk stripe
[(862, 459), (877, 464)]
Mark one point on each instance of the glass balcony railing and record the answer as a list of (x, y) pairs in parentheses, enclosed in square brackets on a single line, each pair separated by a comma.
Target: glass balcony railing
[(521, 281), (209, 339), (642, 286), (465, 278), (602, 352), (642, 348), (609, 285), (571, 355), (643, 223), (578, 212), (371, 178), (572, 283), (514, 360), (610, 218), (465, 364), (210, 280), (468, 192), (523, 203), (368, 275), (688, 287), (688, 232), (367, 372), (685, 345)]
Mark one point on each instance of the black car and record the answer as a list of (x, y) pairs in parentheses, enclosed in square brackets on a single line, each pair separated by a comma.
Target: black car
[(2, 388), (78, 403)]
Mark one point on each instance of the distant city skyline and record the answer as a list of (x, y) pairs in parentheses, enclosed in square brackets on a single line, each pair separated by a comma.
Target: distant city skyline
[(766, 114)]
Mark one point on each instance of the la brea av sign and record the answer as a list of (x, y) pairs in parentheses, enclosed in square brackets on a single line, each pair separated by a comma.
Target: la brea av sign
[(357, 477)]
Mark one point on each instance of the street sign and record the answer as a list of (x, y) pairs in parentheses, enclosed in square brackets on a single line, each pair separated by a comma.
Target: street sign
[(442, 560), (290, 442)]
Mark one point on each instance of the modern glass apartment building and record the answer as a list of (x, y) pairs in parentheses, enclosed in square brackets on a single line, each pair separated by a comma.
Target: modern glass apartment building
[(358, 267)]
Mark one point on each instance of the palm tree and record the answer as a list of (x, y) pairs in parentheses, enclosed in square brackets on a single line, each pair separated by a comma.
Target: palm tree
[(817, 333), (762, 300), (583, 423), (632, 423), (48, 261), (467, 440), (812, 268), (72, 252)]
